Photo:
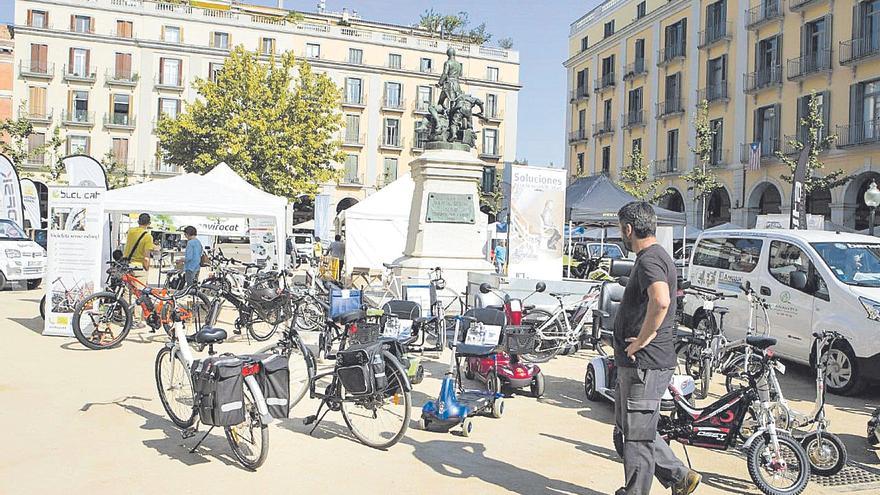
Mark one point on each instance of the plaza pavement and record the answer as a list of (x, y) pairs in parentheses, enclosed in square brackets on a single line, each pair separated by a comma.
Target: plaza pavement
[(91, 422)]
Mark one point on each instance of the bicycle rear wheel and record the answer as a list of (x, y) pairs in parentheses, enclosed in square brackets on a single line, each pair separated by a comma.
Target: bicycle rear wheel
[(101, 321), (309, 316), (300, 363), (250, 439), (551, 336), (380, 420), (199, 307), (175, 388)]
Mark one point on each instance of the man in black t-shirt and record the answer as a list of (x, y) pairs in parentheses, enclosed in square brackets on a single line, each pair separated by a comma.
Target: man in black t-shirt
[(645, 357)]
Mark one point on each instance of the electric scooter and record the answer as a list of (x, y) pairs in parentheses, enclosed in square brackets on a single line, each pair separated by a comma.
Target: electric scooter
[(874, 428), (454, 405), (504, 369)]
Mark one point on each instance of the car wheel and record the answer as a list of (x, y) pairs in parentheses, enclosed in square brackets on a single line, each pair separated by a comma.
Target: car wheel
[(33, 283), (843, 374)]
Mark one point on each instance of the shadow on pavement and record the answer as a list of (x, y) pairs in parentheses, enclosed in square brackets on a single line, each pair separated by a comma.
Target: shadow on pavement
[(456, 459), (604, 453), (34, 324), (860, 452)]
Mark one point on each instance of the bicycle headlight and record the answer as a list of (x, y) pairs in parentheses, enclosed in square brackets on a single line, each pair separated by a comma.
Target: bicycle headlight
[(872, 307), (13, 253)]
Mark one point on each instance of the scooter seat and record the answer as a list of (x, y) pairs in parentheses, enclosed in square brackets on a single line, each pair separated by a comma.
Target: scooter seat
[(760, 342), (349, 317), (474, 350)]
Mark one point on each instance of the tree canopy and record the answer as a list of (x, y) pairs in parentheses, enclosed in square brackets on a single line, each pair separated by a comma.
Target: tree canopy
[(15, 145), (635, 179), (274, 122), (458, 26)]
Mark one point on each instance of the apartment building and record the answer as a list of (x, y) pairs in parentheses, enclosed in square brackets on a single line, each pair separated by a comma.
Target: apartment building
[(757, 64), (104, 70), (6, 72)]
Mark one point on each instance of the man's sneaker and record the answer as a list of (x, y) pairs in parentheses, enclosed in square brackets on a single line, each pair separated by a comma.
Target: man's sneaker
[(687, 485)]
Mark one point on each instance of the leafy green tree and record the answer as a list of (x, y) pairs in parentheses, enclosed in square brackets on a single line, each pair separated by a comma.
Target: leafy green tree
[(635, 179), (818, 142), (479, 35), (117, 173), (701, 177), (492, 201), (15, 146), (506, 43), (53, 155), (276, 124), (452, 26)]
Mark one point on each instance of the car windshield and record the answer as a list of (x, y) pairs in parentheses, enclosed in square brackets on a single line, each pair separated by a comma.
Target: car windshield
[(612, 251), (854, 263), (300, 239), (11, 231)]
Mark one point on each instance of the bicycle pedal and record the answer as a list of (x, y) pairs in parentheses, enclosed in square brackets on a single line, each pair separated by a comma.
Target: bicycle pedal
[(309, 420), (236, 331), (188, 433)]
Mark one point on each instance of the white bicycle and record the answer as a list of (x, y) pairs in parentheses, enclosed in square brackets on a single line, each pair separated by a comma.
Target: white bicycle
[(249, 439), (565, 329)]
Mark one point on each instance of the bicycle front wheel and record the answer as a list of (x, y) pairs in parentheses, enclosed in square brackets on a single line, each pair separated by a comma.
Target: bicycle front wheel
[(309, 316), (551, 336), (301, 366), (175, 388), (250, 439), (101, 321), (198, 305), (380, 420)]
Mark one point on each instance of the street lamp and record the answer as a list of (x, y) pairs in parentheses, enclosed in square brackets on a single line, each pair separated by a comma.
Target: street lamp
[(872, 199)]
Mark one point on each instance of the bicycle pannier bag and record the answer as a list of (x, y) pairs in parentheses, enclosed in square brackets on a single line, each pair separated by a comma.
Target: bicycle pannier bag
[(274, 380), (361, 369), (218, 390)]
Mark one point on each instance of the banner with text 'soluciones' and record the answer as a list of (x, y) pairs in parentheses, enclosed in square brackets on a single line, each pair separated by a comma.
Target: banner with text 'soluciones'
[(537, 205), (11, 207), (76, 224)]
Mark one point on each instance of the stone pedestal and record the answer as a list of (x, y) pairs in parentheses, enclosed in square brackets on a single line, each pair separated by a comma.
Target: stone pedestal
[(452, 235)]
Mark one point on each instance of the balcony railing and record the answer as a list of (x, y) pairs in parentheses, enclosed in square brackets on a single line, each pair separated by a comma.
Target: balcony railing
[(763, 79), (491, 153), (633, 118), (577, 135), (769, 147), (604, 82), (392, 142), (494, 114), (714, 93), (169, 83), (353, 139), (669, 166), (858, 133), (603, 128), (718, 158), (799, 5), (119, 121), (393, 104), (121, 78), (351, 178), (806, 65), (35, 161), (635, 69), (80, 118), (715, 33), (670, 53), (39, 117), (579, 93), (354, 99), (855, 50), (79, 74), (766, 11), (38, 69), (669, 108)]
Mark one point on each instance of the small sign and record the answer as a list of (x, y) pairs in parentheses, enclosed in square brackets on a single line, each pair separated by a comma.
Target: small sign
[(450, 208)]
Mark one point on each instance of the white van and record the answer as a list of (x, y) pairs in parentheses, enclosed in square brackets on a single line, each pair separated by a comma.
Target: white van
[(836, 286), (20, 257)]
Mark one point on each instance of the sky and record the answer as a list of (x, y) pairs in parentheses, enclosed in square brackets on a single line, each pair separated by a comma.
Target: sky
[(539, 29)]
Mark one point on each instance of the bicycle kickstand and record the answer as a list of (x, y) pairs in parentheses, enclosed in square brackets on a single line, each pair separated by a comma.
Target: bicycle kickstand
[(193, 450), (686, 456), (315, 419)]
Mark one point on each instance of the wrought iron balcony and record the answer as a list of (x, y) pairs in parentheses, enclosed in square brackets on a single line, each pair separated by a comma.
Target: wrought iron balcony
[(604, 82), (493, 153), (799, 5), (635, 69), (670, 53), (36, 69), (769, 147), (809, 64), (79, 74), (718, 158), (766, 11), (633, 118), (580, 93), (38, 117), (122, 121), (355, 99), (603, 128), (669, 166), (858, 49), (78, 118), (577, 136), (763, 79), (669, 108), (420, 139), (390, 142), (393, 104), (353, 139), (169, 83), (714, 93), (493, 114), (715, 33), (858, 133), (121, 78)]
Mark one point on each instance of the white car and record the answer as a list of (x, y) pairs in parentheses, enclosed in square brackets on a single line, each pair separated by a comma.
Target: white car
[(813, 280), (20, 257)]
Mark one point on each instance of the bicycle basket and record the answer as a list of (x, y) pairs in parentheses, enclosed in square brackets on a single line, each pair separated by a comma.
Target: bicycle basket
[(519, 339)]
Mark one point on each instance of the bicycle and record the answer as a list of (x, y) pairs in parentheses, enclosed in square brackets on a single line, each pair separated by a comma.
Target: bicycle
[(102, 320), (249, 439), (559, 331), (63, 301)]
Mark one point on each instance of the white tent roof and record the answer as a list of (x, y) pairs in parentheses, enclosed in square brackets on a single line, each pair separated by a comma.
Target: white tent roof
[(376, 228), (392, 201)]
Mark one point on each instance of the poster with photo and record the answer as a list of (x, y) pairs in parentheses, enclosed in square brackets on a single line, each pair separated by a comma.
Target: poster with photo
[(537, 204), (262, 241), (74, 271)]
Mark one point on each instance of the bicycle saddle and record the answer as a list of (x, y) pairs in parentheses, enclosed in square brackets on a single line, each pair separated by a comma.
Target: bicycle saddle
[(721, 310), (390, 265), (761, 342), (208, 335), (349, 317)]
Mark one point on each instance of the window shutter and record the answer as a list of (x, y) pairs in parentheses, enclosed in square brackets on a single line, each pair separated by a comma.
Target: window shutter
[(826, 112), (756, 132), (180, 72), (805, 45), (30, 17), (856, 94), (72, 22), (180, 30), (801, 113), (120, 64), (212, 35), (684, 24), (35, 57), (724, 68), (829, 24), (163, 33), (777, 119), (88, 64), (91, 25), (161, 71), (856, 25), (70, 61), (70, 102)]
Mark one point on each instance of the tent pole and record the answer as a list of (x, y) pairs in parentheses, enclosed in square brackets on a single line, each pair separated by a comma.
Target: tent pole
[(570, 233)]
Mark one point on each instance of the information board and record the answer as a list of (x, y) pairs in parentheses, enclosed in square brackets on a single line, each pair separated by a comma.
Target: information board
[(450, 208)]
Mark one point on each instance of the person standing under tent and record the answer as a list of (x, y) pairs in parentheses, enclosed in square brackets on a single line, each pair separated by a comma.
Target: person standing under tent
[(192, 259), (500, 256), (337, 251), (645, 358), (138, 246)]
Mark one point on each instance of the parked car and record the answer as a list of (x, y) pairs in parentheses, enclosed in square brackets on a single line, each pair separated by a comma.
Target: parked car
[(20, 257), (813, 280), (583, 252)]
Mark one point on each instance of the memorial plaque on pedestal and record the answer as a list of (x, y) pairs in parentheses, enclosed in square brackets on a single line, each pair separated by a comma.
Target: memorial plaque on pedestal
[(450, 208)]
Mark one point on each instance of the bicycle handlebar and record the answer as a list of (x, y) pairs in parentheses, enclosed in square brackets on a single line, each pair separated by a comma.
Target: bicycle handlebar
[(149, 291)]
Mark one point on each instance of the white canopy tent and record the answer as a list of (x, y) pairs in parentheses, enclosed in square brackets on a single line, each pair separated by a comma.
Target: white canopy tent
[(220, 192), (376, 228)]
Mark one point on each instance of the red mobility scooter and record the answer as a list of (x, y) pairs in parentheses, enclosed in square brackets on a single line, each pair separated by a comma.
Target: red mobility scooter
[(504, 370)]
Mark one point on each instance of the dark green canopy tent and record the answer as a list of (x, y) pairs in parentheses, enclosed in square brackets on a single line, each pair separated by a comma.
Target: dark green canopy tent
[(595, 200)]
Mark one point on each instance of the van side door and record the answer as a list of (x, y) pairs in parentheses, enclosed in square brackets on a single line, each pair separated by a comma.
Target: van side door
[(791, 312)]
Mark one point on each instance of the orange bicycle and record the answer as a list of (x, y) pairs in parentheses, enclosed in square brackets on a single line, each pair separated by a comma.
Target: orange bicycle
[(103, 319)]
